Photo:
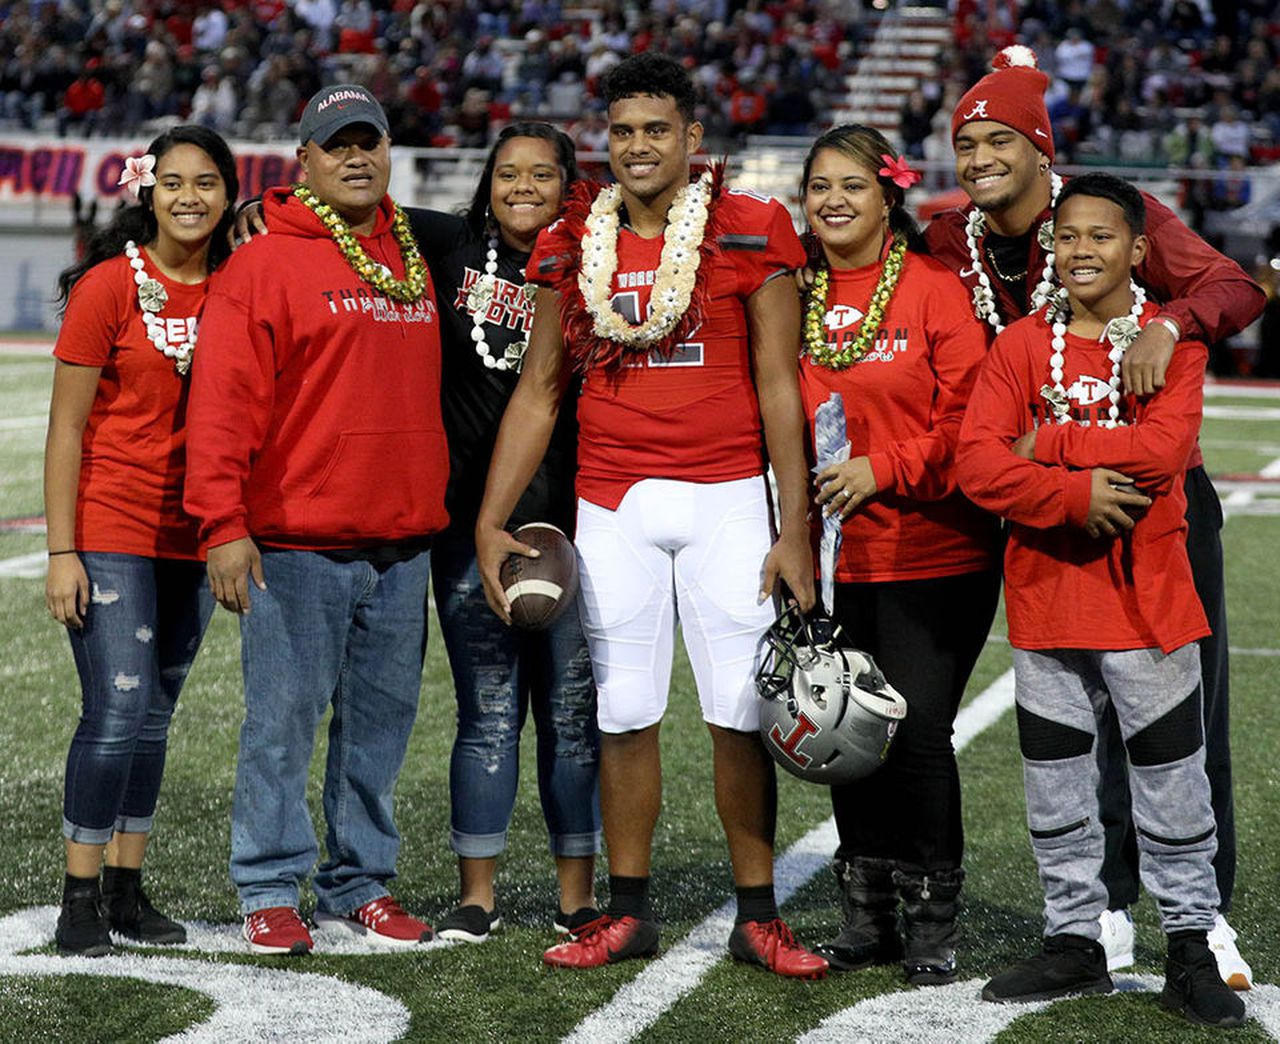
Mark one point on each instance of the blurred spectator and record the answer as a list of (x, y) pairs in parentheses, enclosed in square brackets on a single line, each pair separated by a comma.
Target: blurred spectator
[(1231, 189), (1189, 144), (1070, 120), (209, 29), (82, 103), (592, 133), (916, 123), (1075, 59), (473, 119), (483, 67), (1230, 135), (747, 107), (214, 104)]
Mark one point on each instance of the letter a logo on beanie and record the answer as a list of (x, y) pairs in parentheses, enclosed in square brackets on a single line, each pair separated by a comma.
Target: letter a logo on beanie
[(1012, 94)]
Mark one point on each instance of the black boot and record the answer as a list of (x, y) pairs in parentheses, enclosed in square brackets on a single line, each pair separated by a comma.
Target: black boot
[(82, 926), (870, 906), (130, 912), (1193, 986), (930, 902)]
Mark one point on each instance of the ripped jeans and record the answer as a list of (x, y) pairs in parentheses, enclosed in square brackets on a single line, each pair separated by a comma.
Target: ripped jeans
[(498, 674), (145, 621)]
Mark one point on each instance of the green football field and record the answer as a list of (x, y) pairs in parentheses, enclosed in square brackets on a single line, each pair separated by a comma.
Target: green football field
[(213, 990)]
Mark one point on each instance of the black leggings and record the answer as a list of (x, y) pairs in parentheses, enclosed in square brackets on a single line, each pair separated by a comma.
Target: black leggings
[(926, 636)]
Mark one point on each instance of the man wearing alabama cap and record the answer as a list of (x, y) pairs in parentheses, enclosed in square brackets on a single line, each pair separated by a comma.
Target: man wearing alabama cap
[(1002, 248), (320, 473)]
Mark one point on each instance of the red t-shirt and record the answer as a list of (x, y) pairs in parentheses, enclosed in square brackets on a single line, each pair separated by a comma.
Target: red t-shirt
[(1063, 588), (903, 403), (695, 416), (134, 451)]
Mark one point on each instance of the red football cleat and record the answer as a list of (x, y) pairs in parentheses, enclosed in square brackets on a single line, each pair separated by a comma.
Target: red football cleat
[(604, 941), (276, 929), (771, 945), (382, 921)]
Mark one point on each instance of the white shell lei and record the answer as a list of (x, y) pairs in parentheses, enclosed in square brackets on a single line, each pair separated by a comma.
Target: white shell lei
[(677, 271), (479, 297), (984, 299), (1121, 332), (152, 297)]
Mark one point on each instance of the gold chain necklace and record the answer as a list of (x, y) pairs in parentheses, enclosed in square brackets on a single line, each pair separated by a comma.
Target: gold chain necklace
[(408, 290), (815, 330), (995, 267)]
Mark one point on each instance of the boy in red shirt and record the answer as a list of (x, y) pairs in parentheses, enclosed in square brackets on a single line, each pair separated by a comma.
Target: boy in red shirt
[(1100, 601)]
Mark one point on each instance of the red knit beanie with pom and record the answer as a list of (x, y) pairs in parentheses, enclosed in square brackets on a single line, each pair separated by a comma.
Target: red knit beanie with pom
[(1013, 94)]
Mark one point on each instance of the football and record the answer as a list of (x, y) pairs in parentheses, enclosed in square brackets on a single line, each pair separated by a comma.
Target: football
[(540, 589)]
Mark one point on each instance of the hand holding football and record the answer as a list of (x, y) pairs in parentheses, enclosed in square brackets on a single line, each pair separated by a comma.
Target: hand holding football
[(540, 589)]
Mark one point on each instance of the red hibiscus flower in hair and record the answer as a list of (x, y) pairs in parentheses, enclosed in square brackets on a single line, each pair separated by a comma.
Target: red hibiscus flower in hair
[(899, 171)]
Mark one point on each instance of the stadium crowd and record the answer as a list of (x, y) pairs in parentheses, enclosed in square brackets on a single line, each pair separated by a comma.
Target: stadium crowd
[(1184, 85)]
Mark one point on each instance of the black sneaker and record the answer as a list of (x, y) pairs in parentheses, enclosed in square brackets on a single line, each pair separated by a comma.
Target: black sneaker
[(129, 912), (471, 923), (1067, 965), (571, 924), (1193, 985), (82, 928)]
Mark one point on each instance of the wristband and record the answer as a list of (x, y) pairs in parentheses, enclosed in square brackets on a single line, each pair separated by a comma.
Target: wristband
[(1170, 324), (69, 551)]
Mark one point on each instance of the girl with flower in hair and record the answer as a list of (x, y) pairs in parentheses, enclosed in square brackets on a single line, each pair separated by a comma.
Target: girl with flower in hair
[(124, 571), (890, 343)]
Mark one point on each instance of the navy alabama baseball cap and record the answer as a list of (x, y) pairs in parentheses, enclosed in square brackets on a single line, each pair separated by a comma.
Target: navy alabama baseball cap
[(332, 108)]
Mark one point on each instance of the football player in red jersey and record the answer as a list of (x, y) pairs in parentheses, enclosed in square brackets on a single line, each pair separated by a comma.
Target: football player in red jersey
[(665, 295), (1002, 248)]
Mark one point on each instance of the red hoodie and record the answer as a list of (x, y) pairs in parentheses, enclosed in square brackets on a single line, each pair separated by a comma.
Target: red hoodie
[(314, 419)]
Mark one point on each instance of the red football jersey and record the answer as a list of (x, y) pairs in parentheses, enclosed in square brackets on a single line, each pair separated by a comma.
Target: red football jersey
[(694, 416)]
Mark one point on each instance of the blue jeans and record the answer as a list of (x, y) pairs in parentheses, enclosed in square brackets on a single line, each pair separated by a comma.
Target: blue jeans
[(498, 673), (145, 621), (325, 632)]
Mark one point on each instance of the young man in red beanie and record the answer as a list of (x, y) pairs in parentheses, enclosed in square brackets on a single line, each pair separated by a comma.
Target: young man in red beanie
[(1002, 248)]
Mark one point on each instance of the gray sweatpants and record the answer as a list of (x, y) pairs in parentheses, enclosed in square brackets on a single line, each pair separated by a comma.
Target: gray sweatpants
[(1060, 694)]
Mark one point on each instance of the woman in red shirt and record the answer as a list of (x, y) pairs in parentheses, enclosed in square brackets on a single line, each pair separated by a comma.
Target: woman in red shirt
[(916, 578), (124, 570)]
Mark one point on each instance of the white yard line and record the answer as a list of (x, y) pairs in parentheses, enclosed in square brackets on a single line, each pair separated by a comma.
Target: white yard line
[(25, 567), (23, 423), (1216, 390), (642, 1001), (1243, 413)]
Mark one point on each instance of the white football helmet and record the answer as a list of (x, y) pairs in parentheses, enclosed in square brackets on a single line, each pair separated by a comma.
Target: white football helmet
[(827, 714)]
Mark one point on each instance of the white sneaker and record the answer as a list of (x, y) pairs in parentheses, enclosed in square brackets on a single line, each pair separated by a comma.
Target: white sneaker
[(1231, 966), (1117, 938)]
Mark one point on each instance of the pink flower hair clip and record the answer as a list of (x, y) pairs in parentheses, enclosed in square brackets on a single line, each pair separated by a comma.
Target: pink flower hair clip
[(138, 173), (899, 171)]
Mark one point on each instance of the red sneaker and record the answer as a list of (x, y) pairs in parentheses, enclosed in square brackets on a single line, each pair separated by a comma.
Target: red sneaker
[(383, 922), (604, 941), (771, 945), (277, 929)]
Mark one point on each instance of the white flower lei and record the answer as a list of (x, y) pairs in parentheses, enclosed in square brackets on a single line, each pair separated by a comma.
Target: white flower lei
[(677, 271), (1121, 331), (479, 297), (152, 297), (984, 300)]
